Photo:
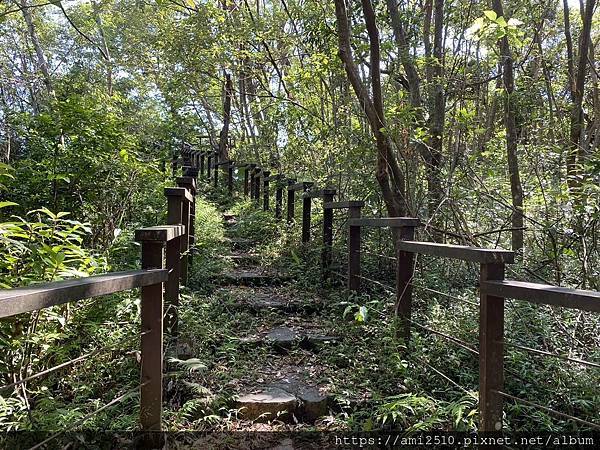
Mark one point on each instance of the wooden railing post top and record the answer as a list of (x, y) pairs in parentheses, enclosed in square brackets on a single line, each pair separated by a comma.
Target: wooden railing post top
[(320, 193), (356, 204), (184, 193), (162, 233), (189, 171), (187, 182), (302, 186)]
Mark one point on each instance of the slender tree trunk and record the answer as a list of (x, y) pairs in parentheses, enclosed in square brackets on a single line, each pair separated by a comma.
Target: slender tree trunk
[(388, 174), (516, 188), (437, 112), (224, 136), (42, 64), (576, 153), (106, 52)]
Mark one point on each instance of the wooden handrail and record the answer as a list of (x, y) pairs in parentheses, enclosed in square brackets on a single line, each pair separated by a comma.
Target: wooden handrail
[(464, 253), (40, 296), (344, 205), (545, 294), (383, 222), (161, 233), (180, 192)]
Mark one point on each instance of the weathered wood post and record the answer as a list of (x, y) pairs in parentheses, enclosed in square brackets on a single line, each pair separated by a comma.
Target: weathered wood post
[(216, 173), (176, 197), (230, 168), (209, 158), (266, 174), (186, 241), (188, 181), (306, 211), (257, 175), (202, 156), (185, 153), (279, 197), (152, 333), (354, 212), (291, 200), (251, 168), (328, 195), (491, 351), (404, 276), (174, 160), (247, 169)]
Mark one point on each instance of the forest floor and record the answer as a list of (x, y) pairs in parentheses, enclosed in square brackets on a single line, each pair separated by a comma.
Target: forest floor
[(267, 345), (260, 350)]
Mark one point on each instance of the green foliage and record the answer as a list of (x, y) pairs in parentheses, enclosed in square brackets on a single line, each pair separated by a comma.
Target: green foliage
[(44, 247)]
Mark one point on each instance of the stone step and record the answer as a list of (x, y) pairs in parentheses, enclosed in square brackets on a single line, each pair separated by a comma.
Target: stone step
[(238, 243), (288, 401), (243, 258), (258, 299), (252, 277), (284, 338)]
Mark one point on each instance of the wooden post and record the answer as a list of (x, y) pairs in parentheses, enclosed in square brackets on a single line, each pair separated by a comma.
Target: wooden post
[(256, 193), (247, 170), (216, 173), (174, 164), (266, 174), (175, 199), (187, 221), (404, 277), (230, 178), (252, 181), (354, 250), (209, 158), (328, 195), (152, 341), (279, 198), (291, 199), (491, 352), (306, 212), (202, 154)]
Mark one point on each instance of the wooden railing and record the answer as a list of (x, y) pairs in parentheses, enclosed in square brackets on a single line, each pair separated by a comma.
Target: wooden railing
[(165, 257), (167, 253), (493, 288)]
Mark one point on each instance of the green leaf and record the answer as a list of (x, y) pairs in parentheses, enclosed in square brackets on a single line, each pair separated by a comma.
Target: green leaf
[(5, 204), (490, 15)]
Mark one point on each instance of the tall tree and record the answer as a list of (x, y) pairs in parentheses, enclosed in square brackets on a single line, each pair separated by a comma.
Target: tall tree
[(576, 154), (512, 138), (388, 173)]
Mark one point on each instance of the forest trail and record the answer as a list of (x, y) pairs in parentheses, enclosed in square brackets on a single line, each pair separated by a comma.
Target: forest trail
[(269, 352), (285, 386)]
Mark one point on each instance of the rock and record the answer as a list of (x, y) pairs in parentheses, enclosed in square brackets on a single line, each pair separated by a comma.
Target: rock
[(249, 277), (312, 404), (316, 341), (271, 401), (240, 243), (282, 337)]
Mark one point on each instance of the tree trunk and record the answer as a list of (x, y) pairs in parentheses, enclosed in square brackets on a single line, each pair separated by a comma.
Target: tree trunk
[(41, 59), (511, 136), (106, 52), (576, 154), (388, 174), (437, 113), (224, 136)]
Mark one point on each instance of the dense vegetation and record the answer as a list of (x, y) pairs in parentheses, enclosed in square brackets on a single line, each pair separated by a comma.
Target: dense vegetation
[(482, 121)]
